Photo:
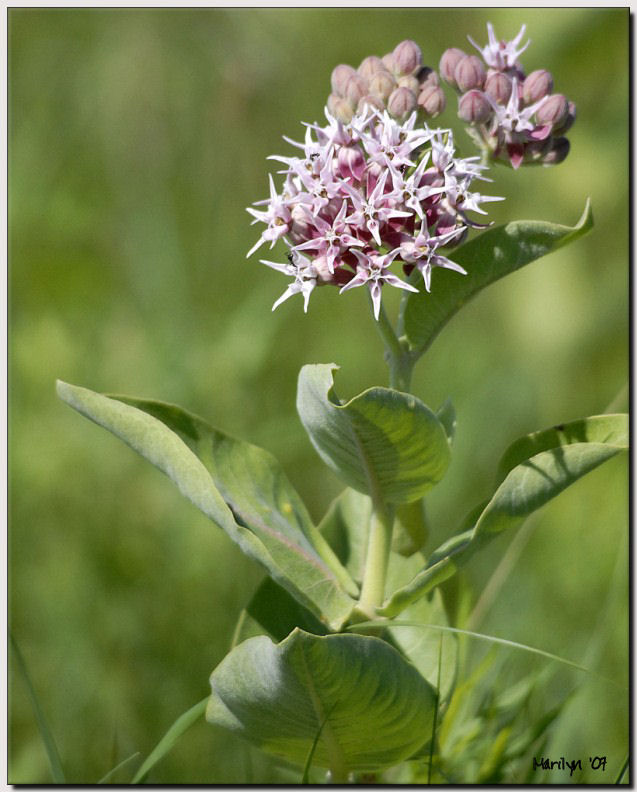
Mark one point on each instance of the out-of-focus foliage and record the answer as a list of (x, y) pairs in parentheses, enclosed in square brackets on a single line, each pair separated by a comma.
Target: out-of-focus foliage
[(137, 137)]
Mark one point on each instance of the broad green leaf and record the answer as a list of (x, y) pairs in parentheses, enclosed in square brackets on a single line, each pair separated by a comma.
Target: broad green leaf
[(529, 482), (538, 479), (282, 549), (377, 708), (422, 583), (279, 613), (486, 258), (252, 483), (446, 414), (384, 443), (605, 429), (410, 528), (346, 527)]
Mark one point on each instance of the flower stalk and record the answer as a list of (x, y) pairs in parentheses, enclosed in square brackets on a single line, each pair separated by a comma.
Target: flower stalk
[(380, 536)]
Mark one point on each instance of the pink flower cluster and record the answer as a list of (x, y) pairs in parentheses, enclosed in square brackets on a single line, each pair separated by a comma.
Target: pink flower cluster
[(366, 196), (514, 117)]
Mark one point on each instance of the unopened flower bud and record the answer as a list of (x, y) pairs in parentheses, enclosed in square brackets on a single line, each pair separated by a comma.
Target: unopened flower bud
[(370, 100), (370, 66), (389, 63), (351, 162), (340, 76), (448, 62), (432, 100), (498, 86), (299, 227), (409, 81), (427, 76), (407, 57), (401, 102), (432, 177), (381, 85), (355, 88), (558, 152), (474, 107), (536, 86), (535, 150), (447, 223), (340, 108), (568, 121), (323, 274), (553, 110), (469, 73)]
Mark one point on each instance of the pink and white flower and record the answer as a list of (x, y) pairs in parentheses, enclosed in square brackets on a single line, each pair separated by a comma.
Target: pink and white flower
[(364, 197)]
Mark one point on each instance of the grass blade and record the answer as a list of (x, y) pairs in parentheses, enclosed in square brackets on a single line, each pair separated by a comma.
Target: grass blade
[(165, 745), (45, 732), (622, 772), (117, 767), (310, 756), (435, 720), (480, 636)]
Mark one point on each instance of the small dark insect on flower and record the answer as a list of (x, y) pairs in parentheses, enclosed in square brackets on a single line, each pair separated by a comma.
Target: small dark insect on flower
[(402, 168), (314, 156)]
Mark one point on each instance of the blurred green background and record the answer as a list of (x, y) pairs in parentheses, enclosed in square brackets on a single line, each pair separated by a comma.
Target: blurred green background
[(137, 139)]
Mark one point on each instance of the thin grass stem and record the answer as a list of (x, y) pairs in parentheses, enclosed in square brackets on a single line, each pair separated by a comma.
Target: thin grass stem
[(53, 755)]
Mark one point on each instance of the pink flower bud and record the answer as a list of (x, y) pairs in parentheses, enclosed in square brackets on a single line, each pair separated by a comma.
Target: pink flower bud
[(407, 57), (323, 274), (370, 66), (409, 81), (568, 121), (432, 177), (536, 86), (355, 88), (401, 102), (558, 152), (388, 62), (469, 73), (299, 229), (447, 223), (370, 100), (554, 110), (351, 162), (427, 76), (535, 150), (340, 76), (448, 62), (381, 85), (340, 108), (498, 86), (432, 100), (474, 107)]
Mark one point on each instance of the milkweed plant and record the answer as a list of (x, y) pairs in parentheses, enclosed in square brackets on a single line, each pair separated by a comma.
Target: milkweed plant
[(346, 662)]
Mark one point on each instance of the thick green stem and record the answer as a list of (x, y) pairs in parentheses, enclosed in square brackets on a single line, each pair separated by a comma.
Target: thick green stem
[(378, 548), (397, 355), (392, 345)]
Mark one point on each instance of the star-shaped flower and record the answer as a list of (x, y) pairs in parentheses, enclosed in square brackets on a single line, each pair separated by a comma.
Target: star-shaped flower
[(373, 270), (374, 210), (277, 216), (332, 238), (501, 55), (304, 273), (421, 251)]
